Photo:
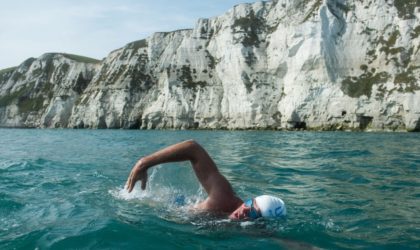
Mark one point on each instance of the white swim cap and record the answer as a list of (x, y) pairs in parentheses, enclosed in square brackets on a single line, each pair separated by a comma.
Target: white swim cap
[(270, 206)]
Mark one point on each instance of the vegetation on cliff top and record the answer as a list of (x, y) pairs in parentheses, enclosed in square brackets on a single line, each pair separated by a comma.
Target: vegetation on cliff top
[(251, 25), (6, 73), (137, 44), (7, 70), (82, 59)]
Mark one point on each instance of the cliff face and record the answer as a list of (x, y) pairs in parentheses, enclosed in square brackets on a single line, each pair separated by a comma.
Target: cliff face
[(42, 92), (313, 64)]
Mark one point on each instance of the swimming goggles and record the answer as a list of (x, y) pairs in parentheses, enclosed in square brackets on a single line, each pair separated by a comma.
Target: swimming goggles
[(253, 213)]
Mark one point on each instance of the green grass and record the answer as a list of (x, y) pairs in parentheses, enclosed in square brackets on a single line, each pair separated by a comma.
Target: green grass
[(393, 38), (187, 79), (82, 59), (7, 70), (362, 85), (415, 33), (12, 97), (16, 76), (211, 59), (251, 25), (387, 45), (22, 98), (27, 104), (405, 77), (8, 99), (137, 44), (6, 73), (408, 77), (406, 8)]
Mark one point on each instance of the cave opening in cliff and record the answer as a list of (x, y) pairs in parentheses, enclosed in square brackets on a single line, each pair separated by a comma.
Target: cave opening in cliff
[(417, 127), (364, 121), (300, 125)]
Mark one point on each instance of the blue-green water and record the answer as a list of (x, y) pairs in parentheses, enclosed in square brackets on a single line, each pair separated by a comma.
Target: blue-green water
[(63, 189)]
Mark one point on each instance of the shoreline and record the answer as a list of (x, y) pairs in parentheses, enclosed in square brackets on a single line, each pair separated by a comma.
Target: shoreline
[(347, 130)]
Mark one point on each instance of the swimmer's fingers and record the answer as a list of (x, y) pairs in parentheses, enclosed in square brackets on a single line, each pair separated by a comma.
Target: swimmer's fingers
[(132, 179), (136, 174), (139, 172), (128, 183)]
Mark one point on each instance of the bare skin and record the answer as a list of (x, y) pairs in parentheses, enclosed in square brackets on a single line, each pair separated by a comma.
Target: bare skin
[(221, 197)]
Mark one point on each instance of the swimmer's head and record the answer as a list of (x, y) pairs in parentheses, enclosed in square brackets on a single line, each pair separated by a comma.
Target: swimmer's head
[(262, 206), (270, 206)]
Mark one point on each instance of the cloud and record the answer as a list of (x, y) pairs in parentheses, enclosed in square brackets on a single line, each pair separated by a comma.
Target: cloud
[(91, 28)]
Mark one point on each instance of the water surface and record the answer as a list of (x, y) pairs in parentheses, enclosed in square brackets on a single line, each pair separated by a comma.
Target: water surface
[(63, 189)]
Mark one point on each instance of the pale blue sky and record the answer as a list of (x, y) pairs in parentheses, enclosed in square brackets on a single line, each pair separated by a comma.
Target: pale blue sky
[(30, 28)]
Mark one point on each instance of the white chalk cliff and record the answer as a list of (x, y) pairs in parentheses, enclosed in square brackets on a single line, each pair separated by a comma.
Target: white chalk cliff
[(286, 64)]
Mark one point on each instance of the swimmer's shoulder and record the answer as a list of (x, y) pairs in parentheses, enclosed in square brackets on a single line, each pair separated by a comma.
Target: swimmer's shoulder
[(219, 206)]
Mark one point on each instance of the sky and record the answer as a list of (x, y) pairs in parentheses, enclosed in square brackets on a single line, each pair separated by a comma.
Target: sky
[(93, 28)]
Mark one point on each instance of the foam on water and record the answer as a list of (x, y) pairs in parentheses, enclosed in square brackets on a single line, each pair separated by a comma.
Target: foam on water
[(157, 193), (172, 205), (169, 203)]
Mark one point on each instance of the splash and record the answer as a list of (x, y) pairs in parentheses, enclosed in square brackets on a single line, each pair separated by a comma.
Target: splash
[(168, 202), (121, 193)]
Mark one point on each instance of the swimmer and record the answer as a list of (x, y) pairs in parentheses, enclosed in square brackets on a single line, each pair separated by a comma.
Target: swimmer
[(221, 197)]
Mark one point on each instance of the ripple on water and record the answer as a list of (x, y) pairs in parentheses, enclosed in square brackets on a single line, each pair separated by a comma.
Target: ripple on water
[(11, 166), (26, 240), (58, 183), (342, 190), (9, 204)]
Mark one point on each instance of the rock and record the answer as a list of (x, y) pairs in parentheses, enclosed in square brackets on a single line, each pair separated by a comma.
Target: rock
[(302, 64)]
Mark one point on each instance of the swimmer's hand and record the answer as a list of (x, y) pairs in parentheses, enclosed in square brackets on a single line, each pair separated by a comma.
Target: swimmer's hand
[(138, 173)]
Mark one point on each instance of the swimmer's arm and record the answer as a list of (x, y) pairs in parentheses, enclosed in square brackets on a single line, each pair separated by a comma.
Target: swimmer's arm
[(204, 167)]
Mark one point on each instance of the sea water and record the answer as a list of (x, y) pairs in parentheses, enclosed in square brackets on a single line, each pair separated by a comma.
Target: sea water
[(64, 189)]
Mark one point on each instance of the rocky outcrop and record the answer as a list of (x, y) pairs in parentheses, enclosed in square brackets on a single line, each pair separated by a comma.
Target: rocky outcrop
[(42, 92), (302, 64)]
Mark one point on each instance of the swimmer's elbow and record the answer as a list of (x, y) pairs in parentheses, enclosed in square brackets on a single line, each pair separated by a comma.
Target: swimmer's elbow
[(192, 144), (195, 150)]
